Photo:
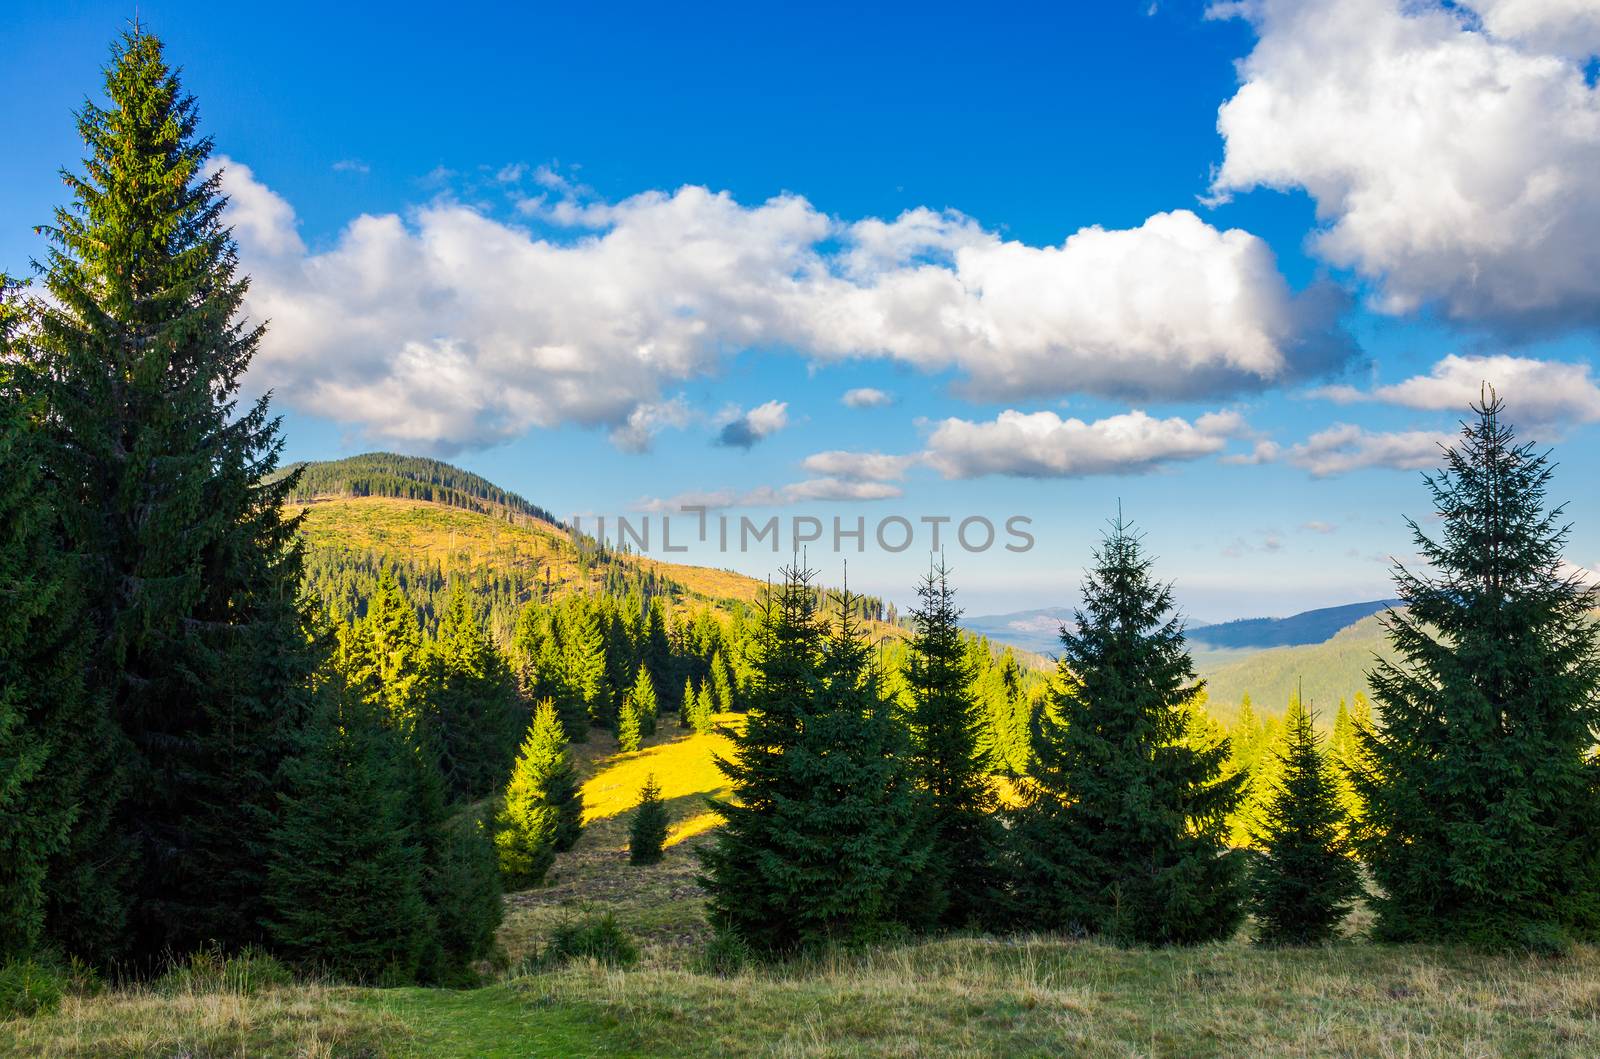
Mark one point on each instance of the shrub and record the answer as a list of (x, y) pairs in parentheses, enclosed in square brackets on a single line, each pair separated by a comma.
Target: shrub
[(594, 937), (28, 987)]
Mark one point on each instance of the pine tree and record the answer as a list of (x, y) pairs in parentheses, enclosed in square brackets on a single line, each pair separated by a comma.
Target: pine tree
[(541, 807), (385, 658), (472, 702), (946, 724), (1124, 831), (345, 891), (1304, 882), (464, 895), (1007, 715), (823, 839), (1480, 794), (647, 833), (199, 647)]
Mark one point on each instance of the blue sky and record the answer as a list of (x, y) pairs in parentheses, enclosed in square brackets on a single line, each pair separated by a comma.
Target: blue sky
[(1236, 272)]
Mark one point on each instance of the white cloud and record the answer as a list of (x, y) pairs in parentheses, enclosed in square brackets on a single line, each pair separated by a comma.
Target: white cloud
[(1452, 162), (1538, 393), (1043, 445), (866, 397), (1343, 448), (447, 328), (861, 466), (352, 165), (741, 430), (1565, 27), (1265, 450), (638, 432)]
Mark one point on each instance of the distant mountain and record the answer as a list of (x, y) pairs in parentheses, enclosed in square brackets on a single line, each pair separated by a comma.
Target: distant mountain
[(1307, 627), (1038, 631)]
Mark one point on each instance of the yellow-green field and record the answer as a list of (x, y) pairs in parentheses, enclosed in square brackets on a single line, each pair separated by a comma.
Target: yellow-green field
[(945, 997)]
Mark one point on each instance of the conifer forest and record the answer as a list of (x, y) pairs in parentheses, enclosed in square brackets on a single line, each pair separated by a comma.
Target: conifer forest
[(374, 756)]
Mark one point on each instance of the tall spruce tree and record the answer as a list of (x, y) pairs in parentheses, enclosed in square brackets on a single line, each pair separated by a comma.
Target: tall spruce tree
[(946, 723), (57, 773), (541, 810), (1480, 791), (1305, 880), (824, 838), (198, 642), (472, 702), (1124, 830)]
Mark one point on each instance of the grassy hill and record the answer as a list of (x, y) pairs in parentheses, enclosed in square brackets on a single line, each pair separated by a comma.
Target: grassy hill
[(957, 996), (1330, 671)]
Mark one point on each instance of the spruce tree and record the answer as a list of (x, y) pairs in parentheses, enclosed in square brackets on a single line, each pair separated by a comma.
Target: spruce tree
[(647, 832), (1008, 713), (472, 702), (721, 684), (946, 724), (1124, 831), (57, 776), (1480, 791), (824, 838), (541, 808), (345, 879), (199, 648), (637, 719), (464, 894), (1304, 881), (700, 720), (687, 703)]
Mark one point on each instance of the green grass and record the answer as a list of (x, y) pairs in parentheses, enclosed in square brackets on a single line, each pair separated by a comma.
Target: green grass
[(944, 997)]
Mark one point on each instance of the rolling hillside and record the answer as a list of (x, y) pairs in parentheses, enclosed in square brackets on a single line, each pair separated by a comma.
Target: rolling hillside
[(1330, 671)]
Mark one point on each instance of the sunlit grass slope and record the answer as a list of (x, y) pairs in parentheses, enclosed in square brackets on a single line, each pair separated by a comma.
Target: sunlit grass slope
[(422, 532)]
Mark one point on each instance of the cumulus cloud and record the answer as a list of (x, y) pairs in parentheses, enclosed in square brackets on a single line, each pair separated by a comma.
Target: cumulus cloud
[(638, 432), (1343, 448), (743, 429), (1450, 148), (1538, 393), (1043, 445), (447, 328), (866, 397), (861, 466)]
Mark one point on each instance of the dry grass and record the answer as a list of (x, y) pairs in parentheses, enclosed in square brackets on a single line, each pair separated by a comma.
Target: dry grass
[(945, 997), (305, 1020)]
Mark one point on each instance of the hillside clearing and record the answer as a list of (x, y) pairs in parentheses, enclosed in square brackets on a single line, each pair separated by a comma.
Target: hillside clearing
[(946, 997)]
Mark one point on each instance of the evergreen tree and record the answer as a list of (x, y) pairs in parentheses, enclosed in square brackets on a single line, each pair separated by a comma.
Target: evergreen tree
[(472, 702), (823, 838), (385, 658), (1008, 713), (637, 720), (1124, 832), (946, 724), (700, 719), (198, 649), (464, 895), (345, 891), (647, 833), (1305, 881), (541, 807), (721, 685), (687, 703), (1480, 793), (56, 774)]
